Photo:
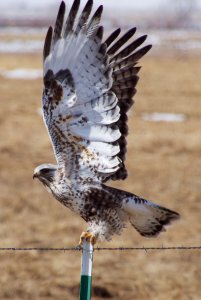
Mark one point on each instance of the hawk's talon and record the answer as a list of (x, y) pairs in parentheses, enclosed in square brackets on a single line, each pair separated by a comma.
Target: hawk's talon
[(89, 237)]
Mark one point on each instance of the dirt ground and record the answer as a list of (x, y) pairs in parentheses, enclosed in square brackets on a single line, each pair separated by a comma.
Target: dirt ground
[(164, 166)]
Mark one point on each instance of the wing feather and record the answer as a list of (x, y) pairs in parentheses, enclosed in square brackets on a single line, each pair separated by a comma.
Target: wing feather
[(125, 78), (112, 37), (84, 16), (48, 42), (130, 48), (95, 20), (71, 18), (132, 59), (89, 85), (59, 24), (114, 48)]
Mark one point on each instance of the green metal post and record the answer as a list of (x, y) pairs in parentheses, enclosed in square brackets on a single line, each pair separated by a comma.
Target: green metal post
[(86, 271)]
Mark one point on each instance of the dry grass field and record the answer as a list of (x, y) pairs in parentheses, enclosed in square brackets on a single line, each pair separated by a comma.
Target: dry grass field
[(164, 162)]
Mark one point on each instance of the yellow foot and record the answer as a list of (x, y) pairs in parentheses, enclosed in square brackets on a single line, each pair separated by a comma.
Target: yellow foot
[(88, 236)]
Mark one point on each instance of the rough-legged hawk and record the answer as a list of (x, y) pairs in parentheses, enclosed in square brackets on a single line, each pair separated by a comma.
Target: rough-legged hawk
[(89, 86)]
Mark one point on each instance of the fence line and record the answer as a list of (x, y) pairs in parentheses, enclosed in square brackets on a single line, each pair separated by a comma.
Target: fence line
[(102, 248)]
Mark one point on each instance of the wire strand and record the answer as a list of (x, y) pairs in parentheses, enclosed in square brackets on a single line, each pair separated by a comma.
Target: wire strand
[(64, 249)]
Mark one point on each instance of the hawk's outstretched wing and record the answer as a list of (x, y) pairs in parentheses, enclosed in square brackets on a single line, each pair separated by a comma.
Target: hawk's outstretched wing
[(89, 85)]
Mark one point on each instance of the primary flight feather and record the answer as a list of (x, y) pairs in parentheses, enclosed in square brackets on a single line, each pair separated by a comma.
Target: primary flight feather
[(89, 86)]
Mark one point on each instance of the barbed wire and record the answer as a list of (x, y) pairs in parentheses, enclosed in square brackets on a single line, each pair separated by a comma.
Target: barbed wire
[(78, 248)]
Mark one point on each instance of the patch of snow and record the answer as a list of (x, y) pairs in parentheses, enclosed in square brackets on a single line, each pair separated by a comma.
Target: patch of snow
[(175, 39), (188, 45), (27, 74), (20, 46), (21, 31), (163, 117)]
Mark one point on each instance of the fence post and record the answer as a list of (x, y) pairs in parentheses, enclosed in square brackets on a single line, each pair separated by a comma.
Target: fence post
[(86, 271)]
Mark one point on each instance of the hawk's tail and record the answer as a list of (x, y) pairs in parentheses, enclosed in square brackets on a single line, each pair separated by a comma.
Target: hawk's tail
[(146, 217)]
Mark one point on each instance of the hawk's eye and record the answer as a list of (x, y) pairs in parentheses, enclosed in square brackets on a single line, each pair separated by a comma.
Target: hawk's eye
[(45, 171)]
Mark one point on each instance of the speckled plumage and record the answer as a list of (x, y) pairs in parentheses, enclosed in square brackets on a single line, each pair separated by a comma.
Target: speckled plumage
[(88, 88)]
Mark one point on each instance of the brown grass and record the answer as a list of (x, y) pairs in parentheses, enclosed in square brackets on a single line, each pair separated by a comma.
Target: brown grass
[(164, 166)]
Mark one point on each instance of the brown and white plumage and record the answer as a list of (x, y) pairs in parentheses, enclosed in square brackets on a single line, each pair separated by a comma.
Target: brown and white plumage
[(88, 89)]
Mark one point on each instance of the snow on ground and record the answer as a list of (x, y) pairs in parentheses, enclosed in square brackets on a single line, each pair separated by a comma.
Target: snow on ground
[(163, 117), (22, 30), (21, 46), (27, 74), (181, 40)]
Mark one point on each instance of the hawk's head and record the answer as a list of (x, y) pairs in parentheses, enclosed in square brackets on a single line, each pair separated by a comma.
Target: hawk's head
[(45, 173)]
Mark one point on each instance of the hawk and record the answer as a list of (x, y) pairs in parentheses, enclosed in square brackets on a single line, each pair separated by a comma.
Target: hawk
[(89, 86)]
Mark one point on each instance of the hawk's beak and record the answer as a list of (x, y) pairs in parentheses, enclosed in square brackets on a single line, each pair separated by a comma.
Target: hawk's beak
[(35, 175)]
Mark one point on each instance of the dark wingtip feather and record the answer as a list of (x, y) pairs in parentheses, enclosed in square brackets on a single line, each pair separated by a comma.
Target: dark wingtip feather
[(112, 37), (75, 4), (71, 17), (129, 33), (62, 5), (137, 55), (98, 12), (89, 4), (121, 41), (47, 44), (59, 22), (132, 31), (144, 50), (84, 16), (94, 22), (142, 38), (128, 49), (150, 46), (103, 49), (99, 33)]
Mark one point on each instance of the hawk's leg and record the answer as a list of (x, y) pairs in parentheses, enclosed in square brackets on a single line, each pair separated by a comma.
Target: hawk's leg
[(89, 237)]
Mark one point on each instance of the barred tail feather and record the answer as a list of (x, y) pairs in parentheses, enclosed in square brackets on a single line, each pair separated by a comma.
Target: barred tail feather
[(148, 218)]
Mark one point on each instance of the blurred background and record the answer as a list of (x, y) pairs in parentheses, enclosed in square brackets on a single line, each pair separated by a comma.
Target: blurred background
[(163, 158)]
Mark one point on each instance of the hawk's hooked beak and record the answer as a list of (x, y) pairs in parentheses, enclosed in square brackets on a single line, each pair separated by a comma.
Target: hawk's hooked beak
[(35, 175)]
